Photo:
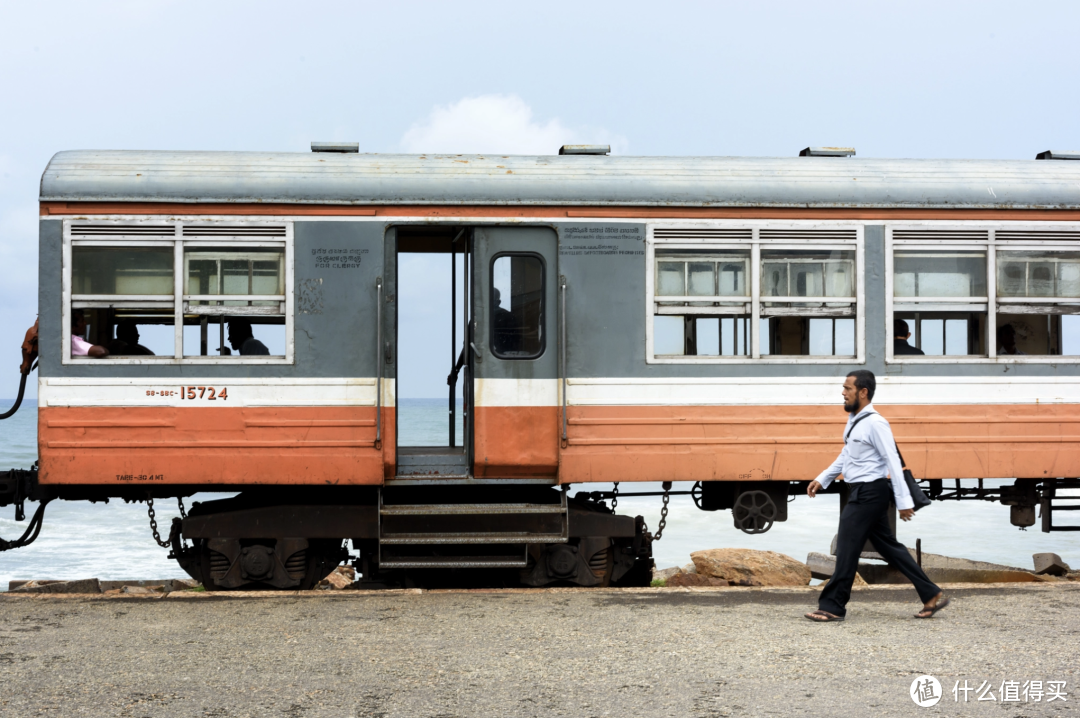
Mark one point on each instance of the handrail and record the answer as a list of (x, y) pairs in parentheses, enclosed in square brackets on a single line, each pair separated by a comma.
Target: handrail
[(562, 356), (378, 363)]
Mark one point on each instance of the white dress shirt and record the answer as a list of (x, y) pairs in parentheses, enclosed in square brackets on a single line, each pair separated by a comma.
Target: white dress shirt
[(870, 454)]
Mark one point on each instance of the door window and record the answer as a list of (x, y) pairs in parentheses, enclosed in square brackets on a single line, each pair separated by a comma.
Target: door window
[(517, 306)]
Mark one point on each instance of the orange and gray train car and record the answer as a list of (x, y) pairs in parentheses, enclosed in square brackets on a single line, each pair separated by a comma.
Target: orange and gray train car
[(685, 320)]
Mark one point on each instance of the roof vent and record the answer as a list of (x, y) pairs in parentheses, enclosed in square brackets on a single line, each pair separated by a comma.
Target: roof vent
[(585, 150), (828, 152), (341, 147), (1051, 155)]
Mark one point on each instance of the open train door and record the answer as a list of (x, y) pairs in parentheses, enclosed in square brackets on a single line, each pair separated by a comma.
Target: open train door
[(516, 429)]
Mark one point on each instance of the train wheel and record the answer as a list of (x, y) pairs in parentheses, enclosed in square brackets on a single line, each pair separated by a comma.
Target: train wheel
[(754, 512), (252, 566)]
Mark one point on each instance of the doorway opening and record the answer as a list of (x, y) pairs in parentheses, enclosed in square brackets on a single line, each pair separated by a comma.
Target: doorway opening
[(434, 367)]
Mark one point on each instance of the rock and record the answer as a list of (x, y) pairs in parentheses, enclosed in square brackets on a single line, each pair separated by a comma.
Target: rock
[(933, 560), (664, 574), (341, 577), (859, 581), (167, 585), (876, 573), (758, 568), (141, 590), (821, 566), (86, 585), (1050, 563), (695, 579), (689, 568)]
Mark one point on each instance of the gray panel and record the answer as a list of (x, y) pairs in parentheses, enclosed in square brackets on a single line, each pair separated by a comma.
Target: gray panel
[(50, 296), (489, 242), (339, 340), (358, 179), (874, 291), (335, 268)]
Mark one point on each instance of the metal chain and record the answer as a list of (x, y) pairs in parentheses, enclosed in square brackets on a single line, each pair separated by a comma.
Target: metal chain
[(183, 512), (153, 523), (663, 512), (615, 497)]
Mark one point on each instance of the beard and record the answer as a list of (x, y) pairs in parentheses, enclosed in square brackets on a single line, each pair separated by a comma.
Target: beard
[(852, 408)]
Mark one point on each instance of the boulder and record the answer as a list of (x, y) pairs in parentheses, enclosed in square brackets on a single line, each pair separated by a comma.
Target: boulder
[(341, 577), (821, 566), (859, 581), (742, 566), (85, 585), (695, 579), (664, 574), (689, 568), (1050, 563)]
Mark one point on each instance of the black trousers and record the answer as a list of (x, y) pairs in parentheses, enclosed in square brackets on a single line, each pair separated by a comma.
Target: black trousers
[(866, 517)]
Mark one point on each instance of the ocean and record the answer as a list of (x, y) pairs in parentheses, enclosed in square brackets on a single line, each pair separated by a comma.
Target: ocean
[(113, 541)]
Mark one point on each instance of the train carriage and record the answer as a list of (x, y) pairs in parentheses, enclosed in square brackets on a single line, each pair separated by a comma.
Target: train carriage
[(623, 319)]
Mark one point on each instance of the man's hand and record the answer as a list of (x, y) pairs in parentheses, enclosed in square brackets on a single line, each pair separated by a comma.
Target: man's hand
[(907, 514), (813, 488)]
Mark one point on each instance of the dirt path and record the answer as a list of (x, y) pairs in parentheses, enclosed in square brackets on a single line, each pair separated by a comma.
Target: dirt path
[(580, 652)]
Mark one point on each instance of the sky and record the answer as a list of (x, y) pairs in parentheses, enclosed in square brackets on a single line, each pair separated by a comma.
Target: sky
[(913, 79)]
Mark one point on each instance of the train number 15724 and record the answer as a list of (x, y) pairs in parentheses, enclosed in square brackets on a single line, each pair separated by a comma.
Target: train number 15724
[(204, 392)]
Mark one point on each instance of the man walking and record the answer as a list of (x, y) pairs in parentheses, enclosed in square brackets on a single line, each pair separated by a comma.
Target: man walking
[(869, 454)]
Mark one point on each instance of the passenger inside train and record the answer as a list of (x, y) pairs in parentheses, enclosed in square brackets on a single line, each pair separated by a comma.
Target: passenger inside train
[(901, 335), (243, 340), (79, 346), (127, 340)]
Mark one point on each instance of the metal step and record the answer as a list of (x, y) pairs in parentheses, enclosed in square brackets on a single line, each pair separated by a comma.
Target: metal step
[(1049, 507), (431, 462), (427, 531)]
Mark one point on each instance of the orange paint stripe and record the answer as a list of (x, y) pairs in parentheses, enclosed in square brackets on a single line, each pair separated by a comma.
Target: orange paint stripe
[(61, 209), (690, 421), (679, 441), (301, 423), (206, 444)]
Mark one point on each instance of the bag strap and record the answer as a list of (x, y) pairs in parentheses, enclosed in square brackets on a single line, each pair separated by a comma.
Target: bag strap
[(852, 428), (853, 424)]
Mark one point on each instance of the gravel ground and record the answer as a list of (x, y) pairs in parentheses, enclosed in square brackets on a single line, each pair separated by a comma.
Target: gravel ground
[(575, 652)]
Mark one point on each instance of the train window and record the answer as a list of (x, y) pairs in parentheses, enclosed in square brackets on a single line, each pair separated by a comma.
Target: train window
[(1038, 301), (517, 306), (817, 316), (940, 292), (121, 270), (701, 336), (939, 274), (162, 297), (791, 296), (252, 321)]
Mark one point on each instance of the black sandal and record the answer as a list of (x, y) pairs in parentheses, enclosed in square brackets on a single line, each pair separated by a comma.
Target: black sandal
[(942, 603), (820, 616)]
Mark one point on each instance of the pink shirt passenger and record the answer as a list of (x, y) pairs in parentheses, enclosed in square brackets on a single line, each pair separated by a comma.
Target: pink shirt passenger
[(79, 346)]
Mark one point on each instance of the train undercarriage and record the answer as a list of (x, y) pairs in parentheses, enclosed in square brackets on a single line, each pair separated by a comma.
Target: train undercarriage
[(460, 536)]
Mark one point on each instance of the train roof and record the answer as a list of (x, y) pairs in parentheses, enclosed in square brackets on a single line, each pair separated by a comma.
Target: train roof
[(493, 179)]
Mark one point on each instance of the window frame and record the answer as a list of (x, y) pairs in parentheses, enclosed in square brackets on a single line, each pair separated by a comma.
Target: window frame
[(991, 304), (543, 305), (756, 243), (178, 300)]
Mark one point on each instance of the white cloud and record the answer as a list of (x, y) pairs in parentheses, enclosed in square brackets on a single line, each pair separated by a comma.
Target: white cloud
[(497, 124)]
